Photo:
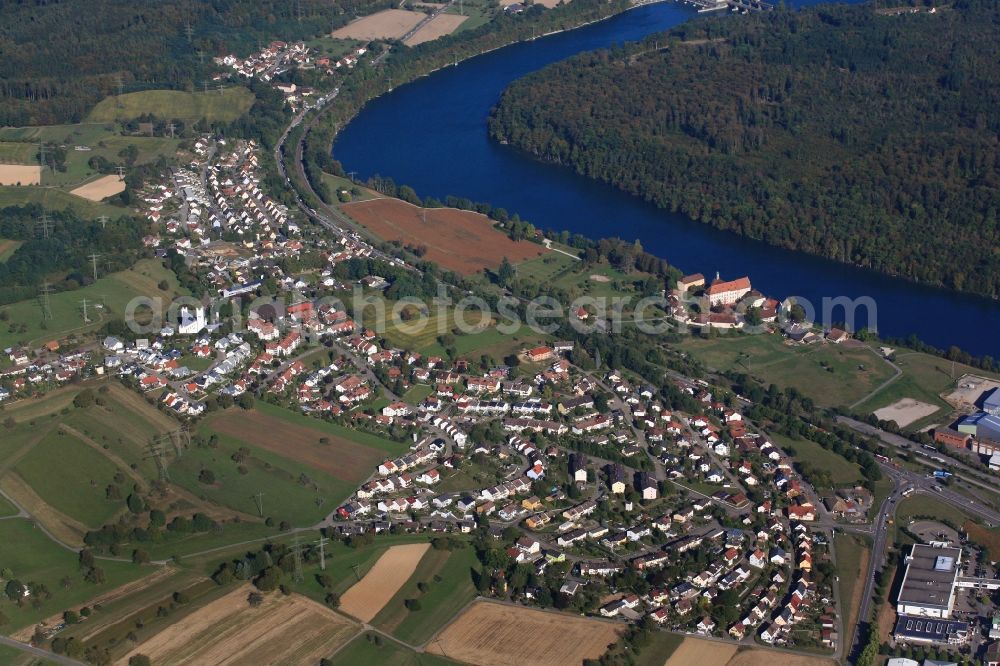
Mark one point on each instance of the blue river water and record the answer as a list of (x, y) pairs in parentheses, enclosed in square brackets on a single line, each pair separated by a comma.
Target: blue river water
[(431, 134)]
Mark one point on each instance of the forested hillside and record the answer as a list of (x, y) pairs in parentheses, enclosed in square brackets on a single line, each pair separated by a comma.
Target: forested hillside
[(60, 57), (864, 136)]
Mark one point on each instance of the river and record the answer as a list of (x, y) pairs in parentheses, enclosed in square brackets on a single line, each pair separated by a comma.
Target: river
[(431, 134)]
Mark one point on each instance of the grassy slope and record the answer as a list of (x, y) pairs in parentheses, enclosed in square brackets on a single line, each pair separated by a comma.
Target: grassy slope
[(277, 477), (74, 486), (33, 557), (771, 361), (232, 103), (55, 199), (114, 291), (849, 553), (661, 645), (841, 470)]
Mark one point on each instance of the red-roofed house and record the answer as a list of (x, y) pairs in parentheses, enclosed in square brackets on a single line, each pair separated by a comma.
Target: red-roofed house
[(722, 292)]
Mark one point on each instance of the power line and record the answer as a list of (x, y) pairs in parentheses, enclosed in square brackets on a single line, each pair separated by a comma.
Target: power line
[(159, 457), (45, 224), (44, 292), (322, 554), (93, 259)]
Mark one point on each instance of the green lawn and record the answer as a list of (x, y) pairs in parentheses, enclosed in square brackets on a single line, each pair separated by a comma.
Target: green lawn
[(443, 599), (112, 292), (33, 557), (18, 153), (6, 508), (227, 105), (850, 551), (416, 394), (228, 533), (334, 48), (479, 12), (362, 651), (14, 657), (70, 135), (336, 183), (831, 375), (546, 268), (927, 505), (659, 648), (71, 477), (842, 472), (109, 147)]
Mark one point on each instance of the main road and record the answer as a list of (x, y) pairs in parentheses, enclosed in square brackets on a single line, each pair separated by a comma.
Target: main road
[(904, 480)]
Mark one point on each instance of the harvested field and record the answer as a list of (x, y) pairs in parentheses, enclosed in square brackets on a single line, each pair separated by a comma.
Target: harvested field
[(367, 597), (387, 24), (905, 411), (340, 458), (102, 188), (20, 174), (282, 630), (458, 240), (763, 657), (439, 26), (703, 653), (492, 634)]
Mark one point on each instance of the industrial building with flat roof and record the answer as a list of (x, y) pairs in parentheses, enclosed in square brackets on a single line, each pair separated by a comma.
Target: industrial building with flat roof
[(930, 630), (930, 582)]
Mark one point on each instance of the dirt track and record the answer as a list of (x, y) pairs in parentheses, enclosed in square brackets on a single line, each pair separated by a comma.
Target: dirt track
[(367, 597)]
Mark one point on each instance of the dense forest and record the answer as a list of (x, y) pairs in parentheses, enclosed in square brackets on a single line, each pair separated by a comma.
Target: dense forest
[(60, 57), (867, 136), (65, 248)]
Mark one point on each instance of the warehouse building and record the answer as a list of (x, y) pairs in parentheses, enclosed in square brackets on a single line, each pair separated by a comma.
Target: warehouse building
[(930, 582)]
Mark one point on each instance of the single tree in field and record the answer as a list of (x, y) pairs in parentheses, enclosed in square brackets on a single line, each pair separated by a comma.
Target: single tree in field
[(255, 599)]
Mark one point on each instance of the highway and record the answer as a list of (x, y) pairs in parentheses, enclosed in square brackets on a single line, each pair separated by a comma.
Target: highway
[(964, 473)]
